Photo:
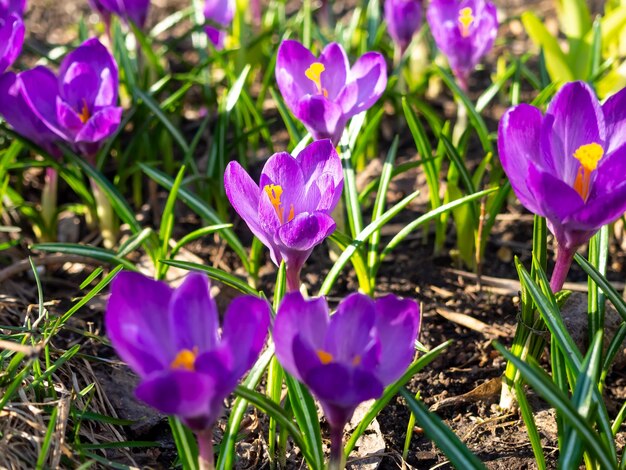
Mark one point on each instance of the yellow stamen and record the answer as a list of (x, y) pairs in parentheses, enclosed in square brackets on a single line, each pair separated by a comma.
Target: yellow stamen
[(466, 18), (185, 359), (325, 357), (314, 73), (84, 113), (274, 192), (291, 214), (356, 361), (588, 155)]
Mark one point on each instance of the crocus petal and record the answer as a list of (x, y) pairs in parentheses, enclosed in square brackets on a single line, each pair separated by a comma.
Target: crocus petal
[(244, 331), (88, 75), (137, 322), (178, 392), (321, 167), (574, 118), (555, 199), (350, 330), (299, 316), (343, 386), (336, 69), (12, 6), (518, 145), (292, 61), (614, 110), (397, 326), (601, 210), (305, 231), (193, 315), (101, 125), (609, 174), (243, 194), (366, 83), (39, 90), (11, 40), (18, 112), (324, 119)]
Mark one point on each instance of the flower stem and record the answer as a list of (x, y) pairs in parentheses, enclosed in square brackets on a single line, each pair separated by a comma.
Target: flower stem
[(336, 461), (206, 461), (106, 215), (49, 204), (293, 279), (564, 259)]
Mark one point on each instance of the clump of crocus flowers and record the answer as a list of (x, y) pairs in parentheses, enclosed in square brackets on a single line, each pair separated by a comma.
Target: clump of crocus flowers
[(349, 357), (289, 210), (325, 92), (464, 30), (172, 339), (568, 165), (77, 106)]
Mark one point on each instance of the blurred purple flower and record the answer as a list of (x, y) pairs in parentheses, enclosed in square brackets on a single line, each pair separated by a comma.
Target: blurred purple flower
[(569, 165), (464, 31), (128, 10), (12, 6), (222, 13), (171, 339), (11, 31), (351, 356), (325, 93), (290, 211), (404, 19), (78, 106)]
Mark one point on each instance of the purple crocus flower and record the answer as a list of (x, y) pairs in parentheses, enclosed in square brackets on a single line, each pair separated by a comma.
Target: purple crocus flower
[(78, 106), (222, 13), (171, 339), (128, 10), (349, 357), (324, 93), (568, 165), (290, 210), (464, 31), (404, 19), (11, 31)]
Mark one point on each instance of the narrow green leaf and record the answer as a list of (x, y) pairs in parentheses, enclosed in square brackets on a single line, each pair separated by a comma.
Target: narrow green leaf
[(443, 437)]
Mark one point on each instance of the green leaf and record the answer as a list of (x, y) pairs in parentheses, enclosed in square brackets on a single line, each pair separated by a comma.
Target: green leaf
[(358, 242), (199, 207), (443, 437), (556, 62), (391, 392), (158, 112), (214, 273), (272, 409), (402, 234), (543, 385), (94, 252), (185, 444)]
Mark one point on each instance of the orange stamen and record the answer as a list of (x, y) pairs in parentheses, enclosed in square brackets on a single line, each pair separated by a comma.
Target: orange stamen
[(185, 359), (466, 18), (325, 357), (274, 192), (588, 155), (314, 73), (84, 114)]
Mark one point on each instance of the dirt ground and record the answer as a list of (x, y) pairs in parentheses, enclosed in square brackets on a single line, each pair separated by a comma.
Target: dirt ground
[(498, 439)]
